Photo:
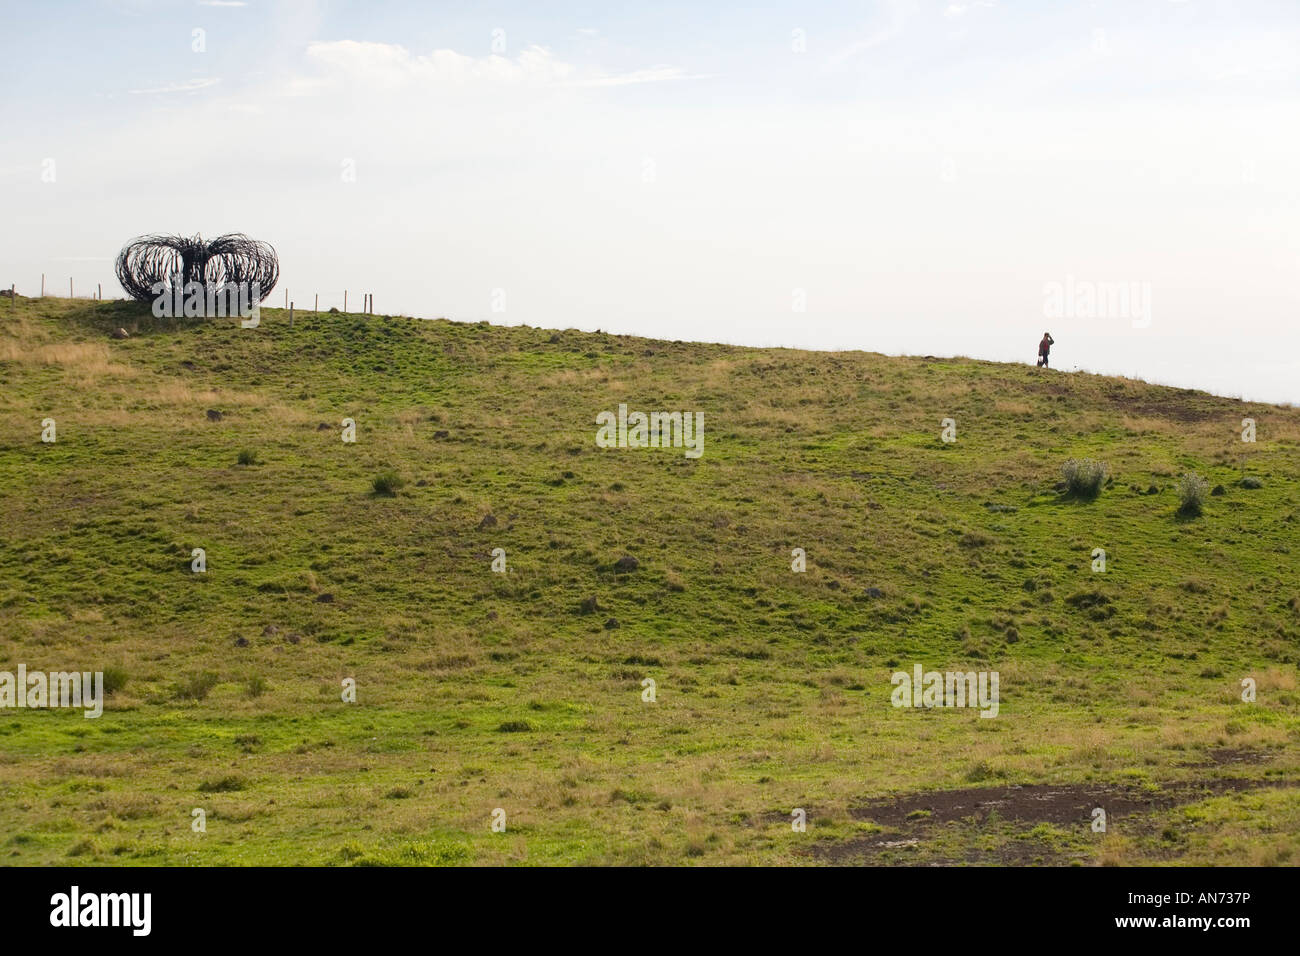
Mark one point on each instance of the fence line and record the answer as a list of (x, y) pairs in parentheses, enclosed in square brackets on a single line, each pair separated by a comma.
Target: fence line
[(367, 298)]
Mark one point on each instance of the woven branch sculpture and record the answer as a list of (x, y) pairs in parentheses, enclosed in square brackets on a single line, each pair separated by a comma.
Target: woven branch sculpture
[(147, 260)]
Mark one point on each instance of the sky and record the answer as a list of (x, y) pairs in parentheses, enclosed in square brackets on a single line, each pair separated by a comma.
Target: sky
[(898, 176)]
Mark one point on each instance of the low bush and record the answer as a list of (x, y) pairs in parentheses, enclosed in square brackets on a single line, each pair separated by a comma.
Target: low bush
[(1084, 477), (1192, 492)]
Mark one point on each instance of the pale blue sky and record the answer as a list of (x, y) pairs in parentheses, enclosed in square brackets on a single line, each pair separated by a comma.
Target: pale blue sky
[(914, 174)]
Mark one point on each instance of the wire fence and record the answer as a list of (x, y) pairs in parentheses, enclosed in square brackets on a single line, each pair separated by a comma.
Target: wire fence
[(367, 298)]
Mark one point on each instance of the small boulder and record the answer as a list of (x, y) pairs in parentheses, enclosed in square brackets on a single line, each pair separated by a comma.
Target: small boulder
[(442, 433), (120, 334), (241, 642), (626, 564), (589, 606), (489, 521), (325, 598), (214, 415), (1219, 490), (874, 593), (293, 637), (611, 624)]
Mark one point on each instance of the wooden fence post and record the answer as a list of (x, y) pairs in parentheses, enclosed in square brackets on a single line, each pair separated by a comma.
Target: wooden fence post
[(290, 315), (316, 307), (345, 300), (70, 295), (42, 285)]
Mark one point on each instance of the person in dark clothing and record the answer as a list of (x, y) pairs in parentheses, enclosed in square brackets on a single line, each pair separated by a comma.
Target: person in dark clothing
[(1044, 347)]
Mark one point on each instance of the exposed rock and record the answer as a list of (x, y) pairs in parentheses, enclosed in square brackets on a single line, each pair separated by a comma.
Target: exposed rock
[(611, 624), (589, 606), (214, 415), (325, 598), (120, 334), (489, 521), (626, 564)]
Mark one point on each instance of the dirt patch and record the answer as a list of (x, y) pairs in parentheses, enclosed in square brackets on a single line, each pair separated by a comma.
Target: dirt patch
[(909, 818), (1039, 803)]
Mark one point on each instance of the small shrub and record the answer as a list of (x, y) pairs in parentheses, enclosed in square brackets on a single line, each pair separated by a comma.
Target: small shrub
[(196, 687), (255, 686), (248, 457), (515, 727), (1192, 492), (228, 784), (1084, 477), (84, 848), (1250, 481), (387, 484), (114, 679)]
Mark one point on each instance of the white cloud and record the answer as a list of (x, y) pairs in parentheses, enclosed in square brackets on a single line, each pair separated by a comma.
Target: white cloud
[(899, 10), (188, 87), (960, 9), (391, 66)]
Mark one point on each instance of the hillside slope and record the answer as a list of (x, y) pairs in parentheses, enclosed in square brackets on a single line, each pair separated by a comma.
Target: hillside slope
[(478, 690)]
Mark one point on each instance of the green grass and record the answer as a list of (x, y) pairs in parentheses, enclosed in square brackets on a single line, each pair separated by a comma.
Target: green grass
[(478, 690)]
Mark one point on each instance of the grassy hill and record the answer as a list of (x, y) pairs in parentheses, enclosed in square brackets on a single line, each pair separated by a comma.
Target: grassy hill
[(478, 690)]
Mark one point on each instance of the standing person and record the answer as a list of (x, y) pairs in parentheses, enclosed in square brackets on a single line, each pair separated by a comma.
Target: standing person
[(1044, 347)]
